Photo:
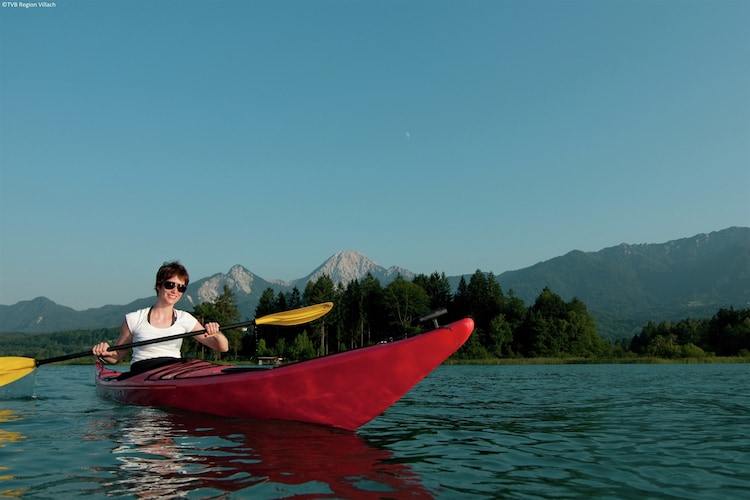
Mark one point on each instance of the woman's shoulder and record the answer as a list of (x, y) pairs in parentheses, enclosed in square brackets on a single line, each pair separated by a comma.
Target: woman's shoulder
[(135, 316), (185, 317)]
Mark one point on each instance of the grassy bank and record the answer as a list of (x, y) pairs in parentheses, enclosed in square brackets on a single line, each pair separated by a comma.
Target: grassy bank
[(599, 361)]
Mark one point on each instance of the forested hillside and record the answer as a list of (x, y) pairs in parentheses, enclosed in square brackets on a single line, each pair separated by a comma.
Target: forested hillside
[(628, 285)]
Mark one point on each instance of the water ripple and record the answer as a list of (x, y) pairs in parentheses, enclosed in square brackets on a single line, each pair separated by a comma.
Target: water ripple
[(659, 431)]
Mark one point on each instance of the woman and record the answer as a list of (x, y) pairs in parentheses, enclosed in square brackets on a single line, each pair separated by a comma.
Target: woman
[(161, 320)]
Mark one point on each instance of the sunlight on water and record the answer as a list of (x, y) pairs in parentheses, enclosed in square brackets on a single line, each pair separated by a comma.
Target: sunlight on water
[(618, 431)]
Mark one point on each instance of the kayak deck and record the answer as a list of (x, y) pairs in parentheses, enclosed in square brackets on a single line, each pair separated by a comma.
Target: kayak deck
[(344, 390)]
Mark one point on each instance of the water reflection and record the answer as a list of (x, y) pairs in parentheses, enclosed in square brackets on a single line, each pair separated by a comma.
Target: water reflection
[(7, 437), (171, 455)]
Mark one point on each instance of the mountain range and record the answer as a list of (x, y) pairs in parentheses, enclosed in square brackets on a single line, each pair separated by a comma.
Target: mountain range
[(624, 286)]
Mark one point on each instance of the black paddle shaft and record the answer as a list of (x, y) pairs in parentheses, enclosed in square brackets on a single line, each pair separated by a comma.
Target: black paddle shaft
[(140, 343)]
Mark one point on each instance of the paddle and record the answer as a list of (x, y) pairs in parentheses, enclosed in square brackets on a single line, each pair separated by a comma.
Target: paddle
[(14, 367)]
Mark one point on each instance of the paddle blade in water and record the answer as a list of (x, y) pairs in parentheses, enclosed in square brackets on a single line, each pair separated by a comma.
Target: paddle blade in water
[(296, 316), (12, 368)]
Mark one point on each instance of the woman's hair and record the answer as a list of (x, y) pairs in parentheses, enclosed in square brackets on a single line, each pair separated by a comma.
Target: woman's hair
[(170, 270)]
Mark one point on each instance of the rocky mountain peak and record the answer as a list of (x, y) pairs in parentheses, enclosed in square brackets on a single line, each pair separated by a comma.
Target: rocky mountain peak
[(345, 267), (238, 279)]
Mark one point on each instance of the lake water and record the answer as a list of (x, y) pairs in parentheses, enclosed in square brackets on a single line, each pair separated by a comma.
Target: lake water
[(551, 431)]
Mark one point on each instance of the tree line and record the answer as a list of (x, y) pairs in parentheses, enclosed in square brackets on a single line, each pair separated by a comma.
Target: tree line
[(366, 313), (727, 333)]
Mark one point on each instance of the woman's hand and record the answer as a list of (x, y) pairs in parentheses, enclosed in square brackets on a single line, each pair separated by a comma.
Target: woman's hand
[(102, 349), (213, 338), (212, 329)]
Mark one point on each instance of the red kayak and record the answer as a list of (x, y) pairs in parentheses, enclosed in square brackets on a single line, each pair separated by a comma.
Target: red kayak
[(344, 390)]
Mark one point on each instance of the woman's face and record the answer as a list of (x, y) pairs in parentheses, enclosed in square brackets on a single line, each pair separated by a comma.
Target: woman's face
[(172, 289)]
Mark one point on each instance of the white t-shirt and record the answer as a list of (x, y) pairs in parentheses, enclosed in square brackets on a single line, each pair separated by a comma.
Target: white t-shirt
[(143, 330)]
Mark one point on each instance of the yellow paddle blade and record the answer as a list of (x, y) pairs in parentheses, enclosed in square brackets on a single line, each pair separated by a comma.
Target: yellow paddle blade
[(296, 316), (13, 367)]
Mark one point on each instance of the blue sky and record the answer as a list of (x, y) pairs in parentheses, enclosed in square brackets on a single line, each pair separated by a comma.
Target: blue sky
[(434, 135)]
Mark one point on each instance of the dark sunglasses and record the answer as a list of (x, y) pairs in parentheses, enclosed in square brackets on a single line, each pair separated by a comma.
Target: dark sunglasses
[(171, 284)]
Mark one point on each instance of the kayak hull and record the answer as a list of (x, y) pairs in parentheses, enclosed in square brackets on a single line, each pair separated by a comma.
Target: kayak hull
[(344, 390)]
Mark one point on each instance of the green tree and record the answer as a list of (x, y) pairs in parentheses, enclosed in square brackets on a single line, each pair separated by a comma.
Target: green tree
[(461, 300), (302, 348), (438, 288), (499, 337), (472, 349), (354, 314), (375, 326), (692, 351), (268, 334), (485, 301), (224, 311), (583, 338), (555, 328), (540, 333), (659, 340), (281, 304), (403, 302), (486, 298), (319, 291), (267, 303), (728, 332), (514, 310), (294, 299)]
